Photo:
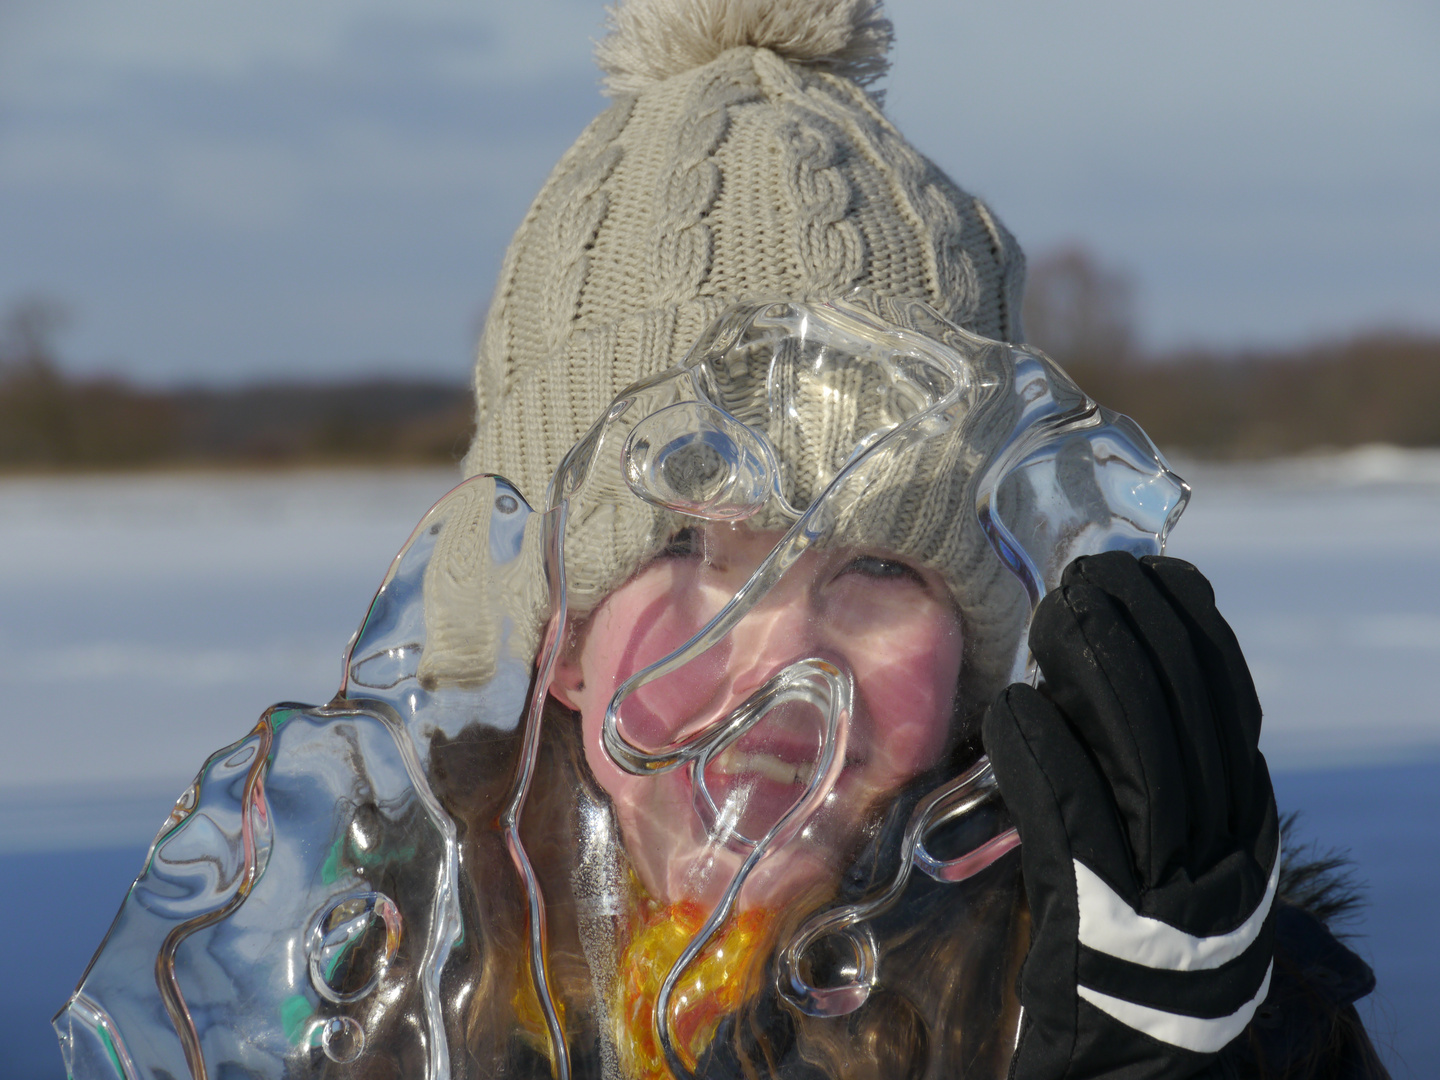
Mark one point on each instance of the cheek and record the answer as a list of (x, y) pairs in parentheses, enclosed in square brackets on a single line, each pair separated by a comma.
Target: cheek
[(907, 686), (638, 625)]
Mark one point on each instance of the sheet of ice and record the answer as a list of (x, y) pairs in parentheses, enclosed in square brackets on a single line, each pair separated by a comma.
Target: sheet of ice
[(147, 621), (1328, 568)]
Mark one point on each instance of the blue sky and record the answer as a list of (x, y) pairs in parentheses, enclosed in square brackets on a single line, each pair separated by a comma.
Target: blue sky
[(224, 191)]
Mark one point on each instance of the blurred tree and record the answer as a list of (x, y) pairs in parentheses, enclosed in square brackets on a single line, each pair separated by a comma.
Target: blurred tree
[(27, 335), (50, 421), (1080, 311), (37, 422)]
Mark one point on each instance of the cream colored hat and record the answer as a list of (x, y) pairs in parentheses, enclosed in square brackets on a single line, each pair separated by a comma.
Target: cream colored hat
[(742, 158)]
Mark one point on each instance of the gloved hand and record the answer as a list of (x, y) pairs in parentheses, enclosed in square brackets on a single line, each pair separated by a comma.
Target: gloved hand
[(1150, 842)]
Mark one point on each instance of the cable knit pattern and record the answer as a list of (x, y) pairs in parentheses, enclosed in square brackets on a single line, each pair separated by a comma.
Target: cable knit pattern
[(938, 209), (831, 249), (681, 243), (954, 272), (581, 206), (574, 226)]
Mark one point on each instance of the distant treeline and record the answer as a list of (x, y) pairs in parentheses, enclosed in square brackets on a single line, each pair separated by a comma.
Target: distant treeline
[(1372, 389), (51, 423), (1375, 388)]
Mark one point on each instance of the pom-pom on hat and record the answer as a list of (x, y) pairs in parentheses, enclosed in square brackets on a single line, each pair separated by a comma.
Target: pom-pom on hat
[(651, 40)]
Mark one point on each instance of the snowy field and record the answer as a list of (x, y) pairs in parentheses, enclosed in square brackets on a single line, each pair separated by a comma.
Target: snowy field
[(147, 621), (1329, 571)]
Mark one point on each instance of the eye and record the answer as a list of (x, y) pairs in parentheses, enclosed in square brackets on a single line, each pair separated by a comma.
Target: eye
[(881, 568), (684, 544)]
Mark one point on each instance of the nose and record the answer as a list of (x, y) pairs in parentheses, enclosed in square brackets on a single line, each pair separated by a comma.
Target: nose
[(783, 628)]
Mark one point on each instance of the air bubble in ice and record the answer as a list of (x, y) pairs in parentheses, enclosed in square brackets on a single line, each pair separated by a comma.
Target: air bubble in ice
[(352, 942), (387, 668), (698, 460), (342, 1039)]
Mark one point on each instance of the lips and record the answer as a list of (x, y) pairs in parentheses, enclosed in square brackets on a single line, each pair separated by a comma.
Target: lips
[(735, 763), (756, 780)]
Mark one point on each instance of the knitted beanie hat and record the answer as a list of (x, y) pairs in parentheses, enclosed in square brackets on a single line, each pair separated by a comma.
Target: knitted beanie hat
[(741, 159)]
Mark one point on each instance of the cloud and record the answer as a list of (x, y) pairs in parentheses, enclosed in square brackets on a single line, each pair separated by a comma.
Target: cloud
[(220, 188), (1254, 164), (333, 188)]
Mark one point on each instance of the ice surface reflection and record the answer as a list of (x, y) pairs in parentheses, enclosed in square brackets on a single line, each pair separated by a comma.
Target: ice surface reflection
[(1265, 536)]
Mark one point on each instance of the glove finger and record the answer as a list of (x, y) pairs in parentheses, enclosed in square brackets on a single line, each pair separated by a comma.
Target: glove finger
[(1051, 788), (1191, 714), (1232, 690), (1055, 791), (1102, 679)]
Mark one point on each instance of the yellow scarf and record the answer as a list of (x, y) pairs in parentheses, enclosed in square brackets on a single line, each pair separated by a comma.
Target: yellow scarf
[(712, 987)]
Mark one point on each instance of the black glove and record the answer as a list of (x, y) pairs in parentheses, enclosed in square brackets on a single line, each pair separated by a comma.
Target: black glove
[(1151, 846)]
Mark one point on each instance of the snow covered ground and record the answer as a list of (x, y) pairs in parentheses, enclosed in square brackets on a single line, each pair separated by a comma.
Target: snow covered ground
[(1329, 570), (147, 621)]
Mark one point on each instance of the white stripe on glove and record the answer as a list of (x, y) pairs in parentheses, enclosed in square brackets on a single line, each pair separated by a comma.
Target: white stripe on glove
[(1191, 1032), (1110, 925)]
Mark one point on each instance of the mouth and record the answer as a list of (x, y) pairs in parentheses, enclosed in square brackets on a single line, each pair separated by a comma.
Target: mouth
[(755, 782), (738, 765)]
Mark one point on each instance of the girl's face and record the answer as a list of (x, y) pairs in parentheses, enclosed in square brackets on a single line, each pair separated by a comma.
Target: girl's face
[(888, 623)]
